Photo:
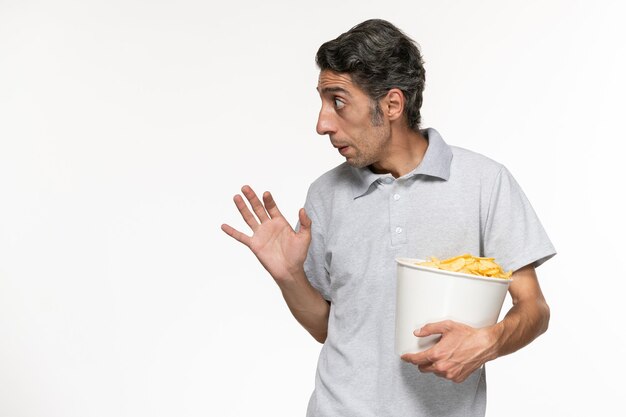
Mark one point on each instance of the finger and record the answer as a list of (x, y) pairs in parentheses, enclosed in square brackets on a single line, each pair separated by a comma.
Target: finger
[(440, 374), (429, 367), (460, 378), (236, 234), (245, 212), (256, 204), (437, 368), (416, 358), (270, 205), (407, 358), (439, 327)]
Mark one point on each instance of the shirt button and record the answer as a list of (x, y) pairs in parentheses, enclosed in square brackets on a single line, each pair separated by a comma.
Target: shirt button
[(398, 230), (396, 197), (388, 180)]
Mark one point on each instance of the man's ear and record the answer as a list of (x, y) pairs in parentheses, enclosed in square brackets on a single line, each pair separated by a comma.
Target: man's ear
[(393, 104)]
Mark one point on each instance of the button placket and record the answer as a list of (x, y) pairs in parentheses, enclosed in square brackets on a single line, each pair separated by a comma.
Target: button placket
[(397, 219)]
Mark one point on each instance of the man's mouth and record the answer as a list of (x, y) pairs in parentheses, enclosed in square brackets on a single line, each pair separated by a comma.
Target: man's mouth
[(340, 147), (343, 149)]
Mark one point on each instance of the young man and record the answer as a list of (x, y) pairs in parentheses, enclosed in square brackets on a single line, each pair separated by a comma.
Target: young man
[(401, 192)]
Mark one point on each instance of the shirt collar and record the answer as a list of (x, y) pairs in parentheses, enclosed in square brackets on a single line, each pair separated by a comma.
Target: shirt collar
[(436, 163)]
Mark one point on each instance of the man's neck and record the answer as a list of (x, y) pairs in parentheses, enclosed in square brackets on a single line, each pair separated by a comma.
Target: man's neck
[(405, 153)]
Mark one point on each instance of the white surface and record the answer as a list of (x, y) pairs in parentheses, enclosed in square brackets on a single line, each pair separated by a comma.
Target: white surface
[(127, 126), (427, 295)]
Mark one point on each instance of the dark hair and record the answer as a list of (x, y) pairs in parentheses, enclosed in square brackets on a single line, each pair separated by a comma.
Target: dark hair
[(379, 57)]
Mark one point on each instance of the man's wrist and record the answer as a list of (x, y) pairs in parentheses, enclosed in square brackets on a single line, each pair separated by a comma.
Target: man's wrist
[(495, 340), (293, 279)]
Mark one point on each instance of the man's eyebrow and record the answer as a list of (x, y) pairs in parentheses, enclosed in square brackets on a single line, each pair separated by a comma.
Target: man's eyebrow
[(327, 90)]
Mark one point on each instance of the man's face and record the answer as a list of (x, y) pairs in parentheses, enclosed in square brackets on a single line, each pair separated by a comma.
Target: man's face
[(351, 119)]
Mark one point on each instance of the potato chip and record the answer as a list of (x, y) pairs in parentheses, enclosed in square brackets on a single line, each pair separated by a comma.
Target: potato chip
[(468, 264)]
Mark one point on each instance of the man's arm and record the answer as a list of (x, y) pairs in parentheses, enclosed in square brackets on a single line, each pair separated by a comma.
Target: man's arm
[(307, 305), (282, 252), (463, 349), (527, 319)]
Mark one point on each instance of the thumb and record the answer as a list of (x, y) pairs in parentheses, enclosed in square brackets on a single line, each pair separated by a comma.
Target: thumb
[(305, 222)]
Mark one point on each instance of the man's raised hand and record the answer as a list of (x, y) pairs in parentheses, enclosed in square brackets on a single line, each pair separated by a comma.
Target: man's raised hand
[(279, 248)]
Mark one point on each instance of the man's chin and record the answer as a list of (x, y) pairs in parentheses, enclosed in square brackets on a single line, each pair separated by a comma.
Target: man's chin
[(354, 163)]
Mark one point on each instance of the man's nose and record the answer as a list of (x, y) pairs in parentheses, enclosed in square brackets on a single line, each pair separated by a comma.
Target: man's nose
[(325, 123)]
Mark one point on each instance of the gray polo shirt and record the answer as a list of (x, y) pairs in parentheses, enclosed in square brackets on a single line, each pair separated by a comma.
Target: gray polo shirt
[(456, 201)]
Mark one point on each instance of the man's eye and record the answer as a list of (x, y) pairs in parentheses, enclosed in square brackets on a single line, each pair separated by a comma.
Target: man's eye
[(338, 103)]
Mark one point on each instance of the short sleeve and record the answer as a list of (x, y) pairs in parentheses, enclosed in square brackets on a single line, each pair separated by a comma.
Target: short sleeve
[(315, 263), (513, 233)]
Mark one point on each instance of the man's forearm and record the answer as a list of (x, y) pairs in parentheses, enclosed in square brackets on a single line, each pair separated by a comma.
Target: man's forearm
[(522, 325), (307, 305), (526, 320)]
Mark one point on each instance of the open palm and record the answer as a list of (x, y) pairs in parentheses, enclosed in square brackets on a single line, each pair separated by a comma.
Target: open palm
[(279, 248)]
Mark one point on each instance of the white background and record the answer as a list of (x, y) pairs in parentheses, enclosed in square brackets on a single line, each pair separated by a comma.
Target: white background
[(127, 126)]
